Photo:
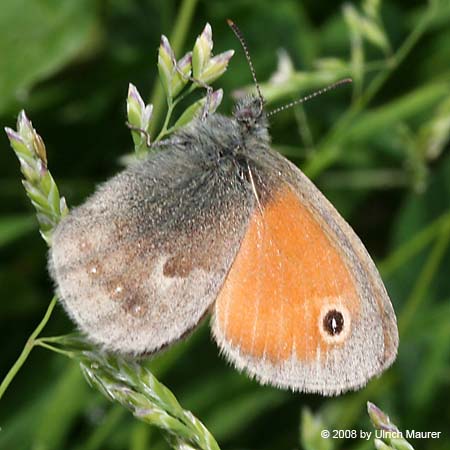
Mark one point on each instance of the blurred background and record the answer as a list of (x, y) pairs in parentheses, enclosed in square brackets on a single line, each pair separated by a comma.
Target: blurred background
[(378, 149)]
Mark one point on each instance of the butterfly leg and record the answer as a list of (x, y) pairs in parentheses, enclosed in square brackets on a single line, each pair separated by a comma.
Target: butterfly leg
[(145, 133)]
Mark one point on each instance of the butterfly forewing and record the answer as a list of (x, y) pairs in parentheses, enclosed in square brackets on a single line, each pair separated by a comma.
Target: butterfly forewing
[(303, 305)]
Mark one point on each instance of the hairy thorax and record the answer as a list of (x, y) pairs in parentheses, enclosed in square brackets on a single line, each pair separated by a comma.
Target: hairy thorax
[(222, 138)]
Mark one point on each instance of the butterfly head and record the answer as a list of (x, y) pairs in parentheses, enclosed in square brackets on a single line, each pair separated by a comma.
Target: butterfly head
[(251, 118)]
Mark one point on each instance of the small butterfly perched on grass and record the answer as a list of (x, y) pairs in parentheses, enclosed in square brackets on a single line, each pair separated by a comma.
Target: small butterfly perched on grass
[(216, 222)]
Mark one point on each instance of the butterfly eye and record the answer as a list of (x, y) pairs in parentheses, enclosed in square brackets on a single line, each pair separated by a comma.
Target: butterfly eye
[(244, 116), (333, 322)]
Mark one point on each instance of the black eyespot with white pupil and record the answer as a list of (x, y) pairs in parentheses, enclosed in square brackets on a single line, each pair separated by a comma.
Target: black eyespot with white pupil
[(333, 322)]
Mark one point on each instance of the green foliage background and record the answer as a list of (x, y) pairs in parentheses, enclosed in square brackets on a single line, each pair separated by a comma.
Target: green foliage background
[(385, 166)]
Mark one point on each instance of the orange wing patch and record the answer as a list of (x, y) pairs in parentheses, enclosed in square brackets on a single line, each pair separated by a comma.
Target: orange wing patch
[(289, 291)]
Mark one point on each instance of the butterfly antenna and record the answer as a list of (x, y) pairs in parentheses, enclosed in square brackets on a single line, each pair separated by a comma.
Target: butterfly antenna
[(239, 35), (310, 96)]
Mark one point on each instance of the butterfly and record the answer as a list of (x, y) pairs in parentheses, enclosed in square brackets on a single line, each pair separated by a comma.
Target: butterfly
[(218, 223)]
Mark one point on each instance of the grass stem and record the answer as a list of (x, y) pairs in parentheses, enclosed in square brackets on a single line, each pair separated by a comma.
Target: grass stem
[(326, 153), (431, 266), (177, 39), (414, 245), (27, 349)]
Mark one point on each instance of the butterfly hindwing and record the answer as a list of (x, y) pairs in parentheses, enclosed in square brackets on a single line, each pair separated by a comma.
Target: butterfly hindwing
[(139, 264)]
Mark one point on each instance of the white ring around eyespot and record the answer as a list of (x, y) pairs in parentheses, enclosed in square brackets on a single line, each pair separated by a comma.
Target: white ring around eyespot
[(334, 304)]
